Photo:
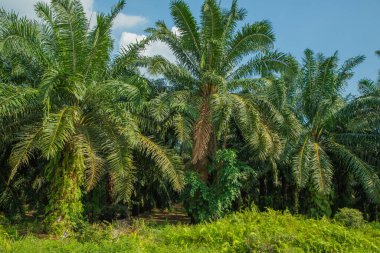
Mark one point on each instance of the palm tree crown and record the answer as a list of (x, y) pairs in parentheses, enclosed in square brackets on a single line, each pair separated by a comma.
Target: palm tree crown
[(215, 63), (326, 136), (76, 118)]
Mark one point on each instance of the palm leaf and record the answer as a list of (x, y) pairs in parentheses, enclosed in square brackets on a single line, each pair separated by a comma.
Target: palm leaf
[(364, 173), (186, 23), (22, 151), (168, 163)]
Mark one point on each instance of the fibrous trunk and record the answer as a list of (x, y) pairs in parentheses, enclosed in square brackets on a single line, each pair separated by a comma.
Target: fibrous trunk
[(204, 147), (65, 206)]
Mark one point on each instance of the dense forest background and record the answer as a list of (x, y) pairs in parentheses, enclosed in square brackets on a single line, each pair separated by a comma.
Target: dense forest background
[(232, 123)]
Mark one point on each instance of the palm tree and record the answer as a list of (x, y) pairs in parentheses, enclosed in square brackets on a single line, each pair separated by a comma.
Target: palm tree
[(76, 119), (370, 87), (327, 140), (364, 116), (209, 83)]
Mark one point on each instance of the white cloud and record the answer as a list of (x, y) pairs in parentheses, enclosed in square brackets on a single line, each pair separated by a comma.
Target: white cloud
[(23, 7), (125, 21), (155, 48), (88, 7), (129, 38), (26, 7), (176, 31)]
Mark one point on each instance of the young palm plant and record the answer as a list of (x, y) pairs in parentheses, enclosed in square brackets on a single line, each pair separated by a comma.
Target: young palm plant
[(214, 65), (76, 119), (326, 140)]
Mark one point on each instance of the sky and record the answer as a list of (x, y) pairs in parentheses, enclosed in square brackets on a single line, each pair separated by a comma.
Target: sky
[(350, 27)]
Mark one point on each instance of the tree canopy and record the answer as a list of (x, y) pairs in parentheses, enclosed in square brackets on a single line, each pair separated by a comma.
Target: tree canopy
[(84, 135)]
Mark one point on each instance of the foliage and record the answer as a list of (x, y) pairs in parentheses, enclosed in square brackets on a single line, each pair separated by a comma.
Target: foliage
[(216, 62), (84, 136), (249, 231), (350, 217), (326, 145), (56, 120), (211, 201)]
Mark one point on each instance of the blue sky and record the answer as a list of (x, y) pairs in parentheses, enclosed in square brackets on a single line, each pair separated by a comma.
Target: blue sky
[(349, 26)]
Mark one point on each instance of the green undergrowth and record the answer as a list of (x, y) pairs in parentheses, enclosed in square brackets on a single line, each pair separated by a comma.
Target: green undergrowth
[(249, 231)]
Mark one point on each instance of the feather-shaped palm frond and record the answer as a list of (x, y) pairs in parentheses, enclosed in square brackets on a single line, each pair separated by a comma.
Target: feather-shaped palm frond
[(22, 151), (185, 21), (16, 100), (167, 162), (364, 174), (57, 130)]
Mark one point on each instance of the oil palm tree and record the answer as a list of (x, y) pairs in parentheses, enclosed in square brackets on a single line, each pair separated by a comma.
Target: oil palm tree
[(326, 142), (77, 120), (364, 116), (370, 87), (209, 82)]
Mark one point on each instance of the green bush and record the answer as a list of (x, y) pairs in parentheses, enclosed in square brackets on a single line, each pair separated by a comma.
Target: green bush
[(208, 201), (350, 217)]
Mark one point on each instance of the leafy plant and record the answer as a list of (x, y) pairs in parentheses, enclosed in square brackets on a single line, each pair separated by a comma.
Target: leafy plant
[(350, 217), (206, 201)]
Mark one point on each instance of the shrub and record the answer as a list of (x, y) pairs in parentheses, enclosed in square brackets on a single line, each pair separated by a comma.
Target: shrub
[(208, 201), (350, 217)]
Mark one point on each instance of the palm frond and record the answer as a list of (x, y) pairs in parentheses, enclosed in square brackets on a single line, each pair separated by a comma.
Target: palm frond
[(321, 169), (162, 33), (93, 162), (262, 64), (364, 173), (252, 38), (72, 26), (211, 20), (57, 130), (22, 151), (300, 162), (174, 73), (15, 100), (122, 172), (346, 72), (231, 17), (167, 162), (185, 21), (21, 35)]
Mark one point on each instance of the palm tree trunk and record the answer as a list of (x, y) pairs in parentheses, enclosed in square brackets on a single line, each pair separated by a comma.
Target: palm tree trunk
[(296, 201), (201, 166), (204, 147), (65, 206)]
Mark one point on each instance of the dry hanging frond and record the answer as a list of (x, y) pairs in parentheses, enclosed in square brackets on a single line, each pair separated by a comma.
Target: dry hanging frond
[(202, 134)]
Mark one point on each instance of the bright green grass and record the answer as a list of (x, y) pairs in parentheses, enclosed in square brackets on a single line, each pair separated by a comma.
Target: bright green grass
[(249, 231)]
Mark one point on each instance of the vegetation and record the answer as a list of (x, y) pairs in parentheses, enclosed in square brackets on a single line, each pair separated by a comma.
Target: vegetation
[(249, 231), (349, 217), (86, 137), (57, 119)]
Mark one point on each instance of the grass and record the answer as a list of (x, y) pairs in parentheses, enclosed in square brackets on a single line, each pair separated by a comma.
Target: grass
[(249, 231)]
